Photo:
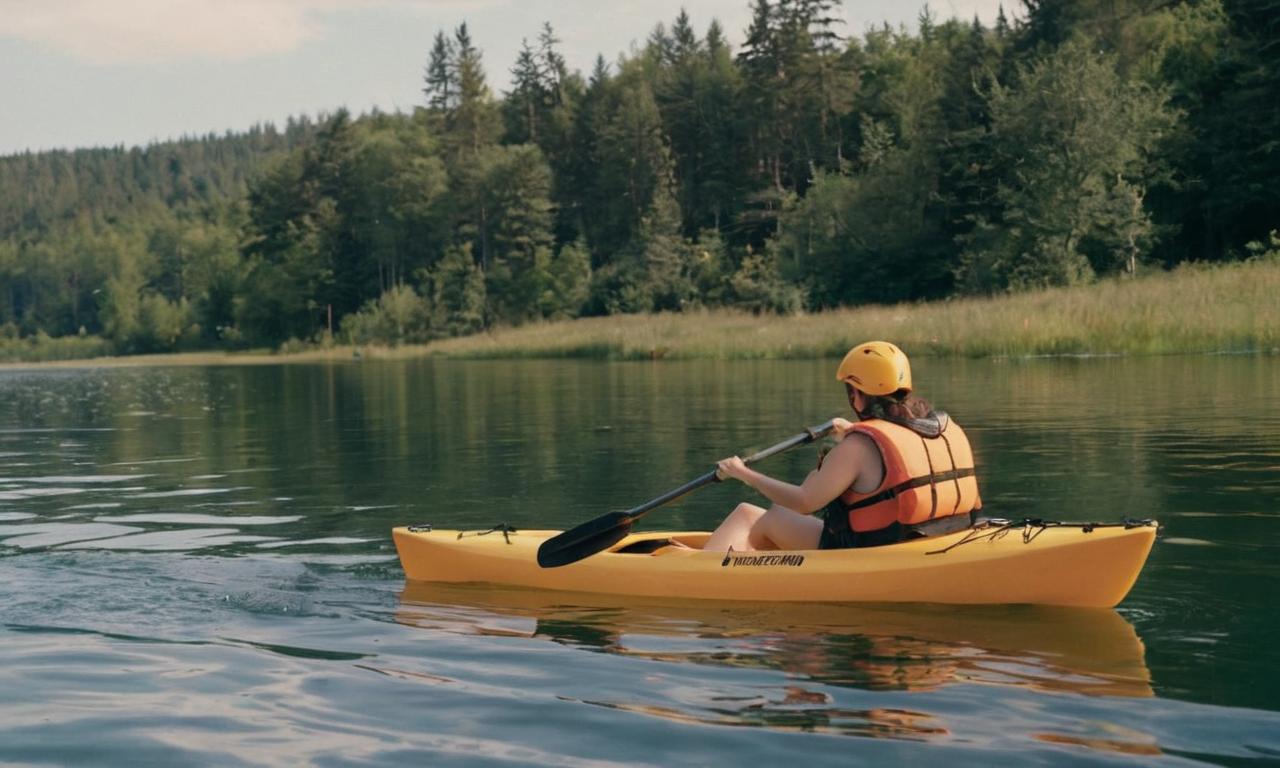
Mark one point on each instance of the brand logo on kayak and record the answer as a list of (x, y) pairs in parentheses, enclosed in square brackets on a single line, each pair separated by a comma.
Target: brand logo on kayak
[(762, 560)]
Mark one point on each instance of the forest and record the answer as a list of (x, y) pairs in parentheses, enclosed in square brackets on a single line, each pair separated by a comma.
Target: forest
[(807, 168)]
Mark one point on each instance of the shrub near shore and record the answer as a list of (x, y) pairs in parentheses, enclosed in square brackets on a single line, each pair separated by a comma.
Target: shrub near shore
[(43, 347)]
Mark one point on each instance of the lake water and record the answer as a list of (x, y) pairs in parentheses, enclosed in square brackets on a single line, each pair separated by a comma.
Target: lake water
[(196, 569)]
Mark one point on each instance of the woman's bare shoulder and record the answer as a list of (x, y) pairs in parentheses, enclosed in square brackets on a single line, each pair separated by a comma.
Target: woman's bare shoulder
[(856, 446)]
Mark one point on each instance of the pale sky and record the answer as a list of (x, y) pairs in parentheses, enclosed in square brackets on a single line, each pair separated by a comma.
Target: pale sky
[(79, 73)]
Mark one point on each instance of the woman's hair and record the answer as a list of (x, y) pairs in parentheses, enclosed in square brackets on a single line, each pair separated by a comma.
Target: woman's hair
[(897, 406)]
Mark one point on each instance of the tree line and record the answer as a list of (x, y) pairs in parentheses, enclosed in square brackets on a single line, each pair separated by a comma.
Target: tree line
[(809, 168)]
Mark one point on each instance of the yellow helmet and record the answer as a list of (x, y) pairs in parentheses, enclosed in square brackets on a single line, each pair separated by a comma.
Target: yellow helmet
[(875, 368)]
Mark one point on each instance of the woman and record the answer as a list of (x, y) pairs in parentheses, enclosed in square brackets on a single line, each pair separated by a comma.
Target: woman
[(902, 471)]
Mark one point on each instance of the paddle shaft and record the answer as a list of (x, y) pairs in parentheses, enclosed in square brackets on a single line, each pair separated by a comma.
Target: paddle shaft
[(808, 436), (603, 532)]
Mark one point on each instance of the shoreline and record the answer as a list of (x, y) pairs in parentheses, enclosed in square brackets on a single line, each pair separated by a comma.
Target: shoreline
[(1228, 309), (346, 354), (335, 354)]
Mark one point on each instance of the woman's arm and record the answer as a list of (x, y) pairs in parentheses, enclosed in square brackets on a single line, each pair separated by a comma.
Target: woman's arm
[(839, 470)]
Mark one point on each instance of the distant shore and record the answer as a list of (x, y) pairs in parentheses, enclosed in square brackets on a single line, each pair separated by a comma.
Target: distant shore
[(326, 354), (1224, 309)]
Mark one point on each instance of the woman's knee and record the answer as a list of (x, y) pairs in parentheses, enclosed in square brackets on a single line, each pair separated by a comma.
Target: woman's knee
[(735, 531), (747, 513), (787, 529)]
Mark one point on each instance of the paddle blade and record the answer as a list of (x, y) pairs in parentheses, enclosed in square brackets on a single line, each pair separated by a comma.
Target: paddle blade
[(584, 541)]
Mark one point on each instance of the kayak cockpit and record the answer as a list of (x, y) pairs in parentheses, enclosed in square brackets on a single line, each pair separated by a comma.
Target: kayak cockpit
[(650, 545)]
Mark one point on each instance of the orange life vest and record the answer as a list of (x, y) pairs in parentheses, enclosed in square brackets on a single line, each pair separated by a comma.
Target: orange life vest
[(925, 478)]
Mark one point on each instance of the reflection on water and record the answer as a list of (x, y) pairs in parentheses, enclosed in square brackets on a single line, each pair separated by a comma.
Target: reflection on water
[(889, 648), (197, 569)]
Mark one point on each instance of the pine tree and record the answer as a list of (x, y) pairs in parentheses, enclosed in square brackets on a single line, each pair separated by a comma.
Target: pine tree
[(552, 61), (519, 188), (832, 78), (633, 160), (684, 41), (578, 179), (665, 258), (717, 197), (660, 47), (528, 99), (473, 123), (570, 282), (925, 22), (346, 281), (458, 293), (762, 71), (698, 96), (440, 76), (679, 93), (558, 135), (715, 40), (818, 20)]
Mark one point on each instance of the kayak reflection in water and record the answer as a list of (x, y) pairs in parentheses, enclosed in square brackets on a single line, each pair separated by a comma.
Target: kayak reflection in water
[(902, 471), (863, 646)]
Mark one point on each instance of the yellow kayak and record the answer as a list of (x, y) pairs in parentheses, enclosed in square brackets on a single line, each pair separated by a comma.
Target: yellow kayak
[(1084, 565)]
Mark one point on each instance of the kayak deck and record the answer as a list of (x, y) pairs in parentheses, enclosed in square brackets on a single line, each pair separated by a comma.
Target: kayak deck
[(1070, 565)]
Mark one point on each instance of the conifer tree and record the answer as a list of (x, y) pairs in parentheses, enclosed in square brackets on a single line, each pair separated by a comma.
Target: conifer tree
[(1002, 23), (761, 69), (440, 76), (633, 161), (517, 191), (458, 292), (569, 281), (528, 99), (578, 178), (473, 123), (552, 61), (558, 133), (685, 44)]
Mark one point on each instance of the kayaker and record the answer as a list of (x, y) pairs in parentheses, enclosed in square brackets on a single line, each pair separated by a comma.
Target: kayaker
[(901, 471)]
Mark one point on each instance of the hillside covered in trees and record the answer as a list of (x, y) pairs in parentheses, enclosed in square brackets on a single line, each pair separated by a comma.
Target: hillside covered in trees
[(805, 169)]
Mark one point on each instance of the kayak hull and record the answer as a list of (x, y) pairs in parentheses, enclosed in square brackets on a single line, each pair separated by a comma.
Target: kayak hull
[(1068, 565)]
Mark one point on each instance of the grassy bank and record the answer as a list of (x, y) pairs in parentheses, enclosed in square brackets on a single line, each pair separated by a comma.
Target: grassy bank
[(1221, 309), (339, 353), (46, 348), (1233, 308)]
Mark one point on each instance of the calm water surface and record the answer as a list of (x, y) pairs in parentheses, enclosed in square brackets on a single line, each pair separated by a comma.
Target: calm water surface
[(196, 569)]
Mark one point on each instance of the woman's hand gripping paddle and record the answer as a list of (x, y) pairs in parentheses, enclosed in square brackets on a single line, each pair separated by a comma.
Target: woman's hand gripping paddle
[(603, 532)]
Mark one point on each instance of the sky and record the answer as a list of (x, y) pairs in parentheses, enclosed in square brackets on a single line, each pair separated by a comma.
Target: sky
[(81, 73)]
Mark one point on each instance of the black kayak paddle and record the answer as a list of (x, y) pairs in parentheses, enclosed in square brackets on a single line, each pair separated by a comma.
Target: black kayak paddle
[(608, 529)]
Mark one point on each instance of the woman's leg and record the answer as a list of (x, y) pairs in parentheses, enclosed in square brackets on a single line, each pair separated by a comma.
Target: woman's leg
[(750, 527), (784, 528), (735, 531)]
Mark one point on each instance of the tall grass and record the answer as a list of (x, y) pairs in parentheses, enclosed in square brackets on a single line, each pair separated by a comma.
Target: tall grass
[(41, 347), (1191, 309)]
